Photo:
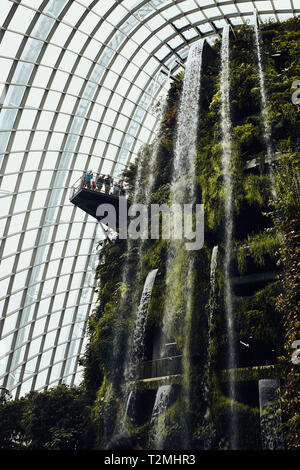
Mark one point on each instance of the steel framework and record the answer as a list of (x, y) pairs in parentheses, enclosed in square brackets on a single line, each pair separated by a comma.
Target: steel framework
[(79, 83)]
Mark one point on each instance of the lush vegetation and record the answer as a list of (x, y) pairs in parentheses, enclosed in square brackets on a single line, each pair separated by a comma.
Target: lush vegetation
[(58, 419), (266, 232)]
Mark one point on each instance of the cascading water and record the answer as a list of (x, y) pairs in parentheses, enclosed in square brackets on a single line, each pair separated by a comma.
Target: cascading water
[(263, 97), (183, 178), (123, 424), (183, 184), (157, 435), (228, 219), (179, 270), (207, 384), (137, 344), (212, 296)]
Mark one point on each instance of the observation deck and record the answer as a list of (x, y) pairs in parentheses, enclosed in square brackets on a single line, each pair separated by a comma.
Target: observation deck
[(89, 200)]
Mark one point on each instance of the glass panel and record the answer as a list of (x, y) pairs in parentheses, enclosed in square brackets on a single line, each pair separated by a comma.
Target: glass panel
[(10, 44), (34, 98), (44, 307), (5, 7), (27, 182), (11, 245), (8, 183), (77, 42), (41, 380), (63, 283), (68, 61), (39, 327), (26, 386), (55, 373), (34, 346), (50, 338), (52, 100), (58, 301), (38, 142), (45, 359), (20, 141), (61, 34), (54, 320), (74, 13), (59, 355), (64, 334), (9, 324), (30, 366)]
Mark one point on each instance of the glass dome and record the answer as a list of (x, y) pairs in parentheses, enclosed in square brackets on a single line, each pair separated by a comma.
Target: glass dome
[(79, 85)]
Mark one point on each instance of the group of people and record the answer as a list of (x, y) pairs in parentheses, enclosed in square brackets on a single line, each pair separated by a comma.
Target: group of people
[(103, 183)]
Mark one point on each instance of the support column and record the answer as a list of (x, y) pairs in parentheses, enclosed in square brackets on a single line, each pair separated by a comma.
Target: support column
[(270, 417)]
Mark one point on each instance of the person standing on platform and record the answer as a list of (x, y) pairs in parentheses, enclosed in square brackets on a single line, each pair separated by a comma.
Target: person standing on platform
[(88, 179), (99, 182), (108, 182)]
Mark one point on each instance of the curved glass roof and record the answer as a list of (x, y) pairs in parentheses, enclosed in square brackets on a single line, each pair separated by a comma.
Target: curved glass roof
[(79, 81)]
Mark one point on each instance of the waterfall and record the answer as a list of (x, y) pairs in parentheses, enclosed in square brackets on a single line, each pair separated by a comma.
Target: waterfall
[(228, 217), (263, 98), (179, 266), (182, 186), (212, 302), (207, 384), (137, 345), (212, 296), (157, 436), (123, 425)]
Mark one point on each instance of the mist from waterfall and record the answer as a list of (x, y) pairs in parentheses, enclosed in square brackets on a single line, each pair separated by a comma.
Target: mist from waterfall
[(157, 435), (228, 221)]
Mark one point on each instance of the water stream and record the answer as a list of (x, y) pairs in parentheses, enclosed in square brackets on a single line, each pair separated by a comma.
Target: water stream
[(228, 222), (264, 104), (157, 435), (207, 378), (137, 344), (179, 268)]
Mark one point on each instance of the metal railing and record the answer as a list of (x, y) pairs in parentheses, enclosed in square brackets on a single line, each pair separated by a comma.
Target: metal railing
[(159, 368), (113, 191)]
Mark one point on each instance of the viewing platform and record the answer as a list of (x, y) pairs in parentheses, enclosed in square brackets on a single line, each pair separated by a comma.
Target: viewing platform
[(89, 200)]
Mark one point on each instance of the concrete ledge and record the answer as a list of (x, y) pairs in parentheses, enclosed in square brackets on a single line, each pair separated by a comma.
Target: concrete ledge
[(248, 374), (155, 382), (245, 374), (256, 277)]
